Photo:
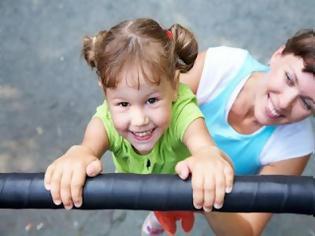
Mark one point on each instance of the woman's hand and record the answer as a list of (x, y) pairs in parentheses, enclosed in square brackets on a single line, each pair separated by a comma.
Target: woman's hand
[(212, 176), (65, 177)]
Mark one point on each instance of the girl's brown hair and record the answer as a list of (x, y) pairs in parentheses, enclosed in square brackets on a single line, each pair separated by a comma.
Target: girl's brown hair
[(302, 44), (156, 52)]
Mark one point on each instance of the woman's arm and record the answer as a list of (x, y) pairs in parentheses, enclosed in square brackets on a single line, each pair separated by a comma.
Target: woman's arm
[(254, 223)]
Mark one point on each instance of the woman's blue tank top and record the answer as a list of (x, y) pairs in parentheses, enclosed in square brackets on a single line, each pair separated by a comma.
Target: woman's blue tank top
[(243, 149)]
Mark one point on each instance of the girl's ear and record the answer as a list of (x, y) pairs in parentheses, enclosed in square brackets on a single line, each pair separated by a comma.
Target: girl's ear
[(99, 82), (176, 85)]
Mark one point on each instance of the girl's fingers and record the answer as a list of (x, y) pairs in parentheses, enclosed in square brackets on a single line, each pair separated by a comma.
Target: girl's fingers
[(209, 193), (77, 183), (182, 169), (55, 186), (94, 168), (219, 190), (197, 186), (47, 177), (229, 178), (65, 189)]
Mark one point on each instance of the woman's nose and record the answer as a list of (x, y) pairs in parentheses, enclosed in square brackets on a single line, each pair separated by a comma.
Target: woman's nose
[(288, 98)]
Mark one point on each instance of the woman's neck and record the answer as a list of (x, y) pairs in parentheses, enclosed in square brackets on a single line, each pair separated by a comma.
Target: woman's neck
[(242, 113)]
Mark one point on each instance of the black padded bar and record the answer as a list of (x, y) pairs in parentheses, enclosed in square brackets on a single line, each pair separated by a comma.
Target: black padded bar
[(277, 194)]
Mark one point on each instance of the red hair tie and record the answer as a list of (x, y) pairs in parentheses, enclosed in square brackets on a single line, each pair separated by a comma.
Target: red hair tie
[(169, 34)]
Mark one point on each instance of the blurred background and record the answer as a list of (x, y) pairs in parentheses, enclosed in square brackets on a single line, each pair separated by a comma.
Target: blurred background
[(48, 94)]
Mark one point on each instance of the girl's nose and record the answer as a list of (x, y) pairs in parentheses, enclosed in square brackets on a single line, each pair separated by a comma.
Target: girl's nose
[(139, 117)]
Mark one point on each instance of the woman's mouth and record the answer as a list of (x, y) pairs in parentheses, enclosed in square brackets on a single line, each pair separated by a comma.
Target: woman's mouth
[(271, 110)]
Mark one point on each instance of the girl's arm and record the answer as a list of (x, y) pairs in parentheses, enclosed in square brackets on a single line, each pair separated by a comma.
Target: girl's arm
[(254, 223), (212, 172), (65, 177), (95, 137)]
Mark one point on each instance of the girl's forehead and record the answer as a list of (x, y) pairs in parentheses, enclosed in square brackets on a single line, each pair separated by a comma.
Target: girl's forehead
[(137, 75), (138, 83), (134, 90), (134, 81)]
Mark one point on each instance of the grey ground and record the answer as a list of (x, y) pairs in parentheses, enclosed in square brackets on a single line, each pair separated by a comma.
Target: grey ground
[(48, 94)]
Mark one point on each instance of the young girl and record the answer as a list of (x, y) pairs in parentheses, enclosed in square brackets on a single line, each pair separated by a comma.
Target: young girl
[(149, 120)]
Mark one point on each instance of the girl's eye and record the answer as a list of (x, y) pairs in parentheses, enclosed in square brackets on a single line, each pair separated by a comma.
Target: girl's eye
[(123, 104), (290, 81), (152, 100)]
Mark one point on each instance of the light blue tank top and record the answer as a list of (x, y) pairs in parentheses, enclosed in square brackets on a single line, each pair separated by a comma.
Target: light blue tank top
[(243, 149)]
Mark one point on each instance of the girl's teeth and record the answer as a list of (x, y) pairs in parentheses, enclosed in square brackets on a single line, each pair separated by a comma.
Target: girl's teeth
[(142, 134)]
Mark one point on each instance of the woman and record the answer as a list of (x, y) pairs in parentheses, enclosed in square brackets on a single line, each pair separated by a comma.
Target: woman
[(258, 115)]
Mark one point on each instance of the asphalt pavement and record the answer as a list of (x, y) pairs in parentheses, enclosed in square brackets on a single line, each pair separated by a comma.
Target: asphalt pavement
[(48, 93)]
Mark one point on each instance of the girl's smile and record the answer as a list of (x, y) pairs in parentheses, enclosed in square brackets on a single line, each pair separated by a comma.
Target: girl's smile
[(143, 135)]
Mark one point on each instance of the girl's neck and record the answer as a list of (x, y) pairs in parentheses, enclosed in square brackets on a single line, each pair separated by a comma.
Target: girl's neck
[(242, 114)]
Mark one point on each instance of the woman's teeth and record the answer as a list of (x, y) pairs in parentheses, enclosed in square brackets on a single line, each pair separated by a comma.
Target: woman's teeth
[(273, 110)]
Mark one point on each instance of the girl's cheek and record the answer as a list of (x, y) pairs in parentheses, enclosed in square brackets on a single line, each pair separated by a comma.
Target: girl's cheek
[(119, 122)]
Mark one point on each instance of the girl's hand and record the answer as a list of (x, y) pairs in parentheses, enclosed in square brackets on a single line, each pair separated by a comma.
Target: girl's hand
[(212, 177), (65, 177)]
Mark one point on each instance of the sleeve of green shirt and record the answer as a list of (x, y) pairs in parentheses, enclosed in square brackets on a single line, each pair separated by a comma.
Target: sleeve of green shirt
[(185, 111), (114, 138)]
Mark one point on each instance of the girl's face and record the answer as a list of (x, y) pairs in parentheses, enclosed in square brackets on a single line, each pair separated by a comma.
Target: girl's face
[(287, 94), (141, 111)]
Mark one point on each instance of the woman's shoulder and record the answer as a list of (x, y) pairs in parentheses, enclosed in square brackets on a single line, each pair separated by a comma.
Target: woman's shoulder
[(227, 50), (289, 141), (223, 59), (219, 67), (294, 131)]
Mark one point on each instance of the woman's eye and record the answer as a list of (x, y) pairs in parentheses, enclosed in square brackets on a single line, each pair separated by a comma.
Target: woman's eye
[(306, 104), (123, 104), (152, 100), (288, 79)]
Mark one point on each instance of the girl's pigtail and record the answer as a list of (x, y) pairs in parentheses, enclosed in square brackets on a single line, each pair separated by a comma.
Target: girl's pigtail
[(90, 48), (186, 47)]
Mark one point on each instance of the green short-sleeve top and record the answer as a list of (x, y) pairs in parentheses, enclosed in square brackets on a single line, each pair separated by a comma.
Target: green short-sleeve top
[(167, 151)]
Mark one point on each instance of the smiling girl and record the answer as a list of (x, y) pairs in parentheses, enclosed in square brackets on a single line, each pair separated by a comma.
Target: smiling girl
[(149, 120)]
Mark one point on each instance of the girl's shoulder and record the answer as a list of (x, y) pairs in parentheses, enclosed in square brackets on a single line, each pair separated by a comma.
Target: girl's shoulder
[(184, 111), (114, 138)]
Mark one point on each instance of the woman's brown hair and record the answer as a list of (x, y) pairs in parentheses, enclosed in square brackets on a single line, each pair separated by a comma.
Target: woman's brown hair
[(302, 44)]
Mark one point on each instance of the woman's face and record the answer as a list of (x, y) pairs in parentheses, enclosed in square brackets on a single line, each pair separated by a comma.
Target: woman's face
[(287, 94)]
